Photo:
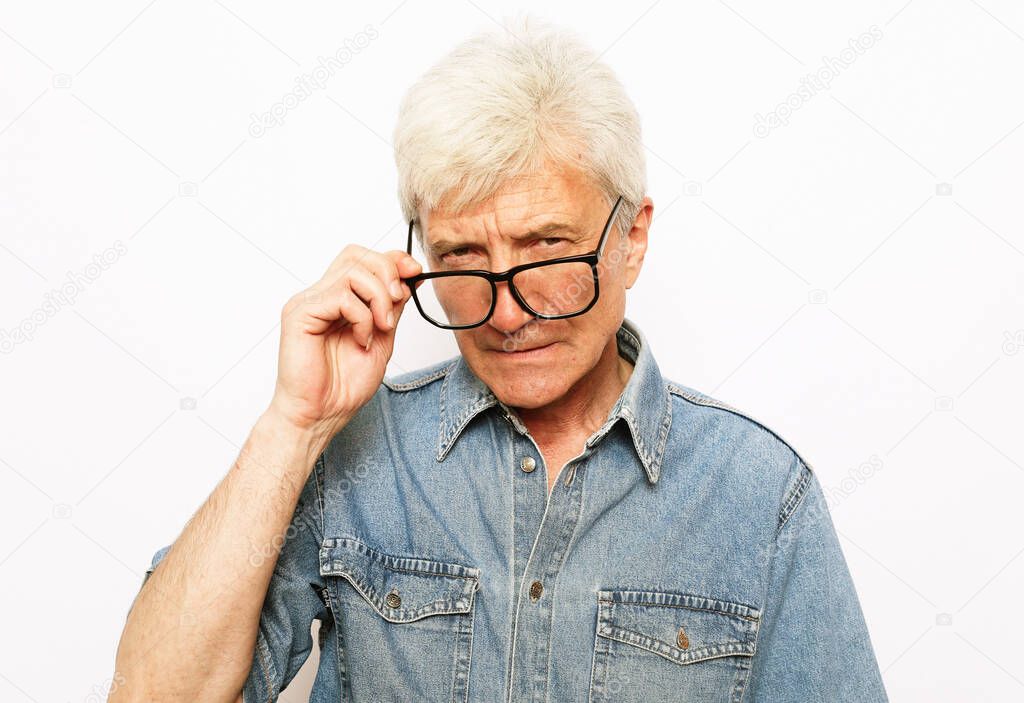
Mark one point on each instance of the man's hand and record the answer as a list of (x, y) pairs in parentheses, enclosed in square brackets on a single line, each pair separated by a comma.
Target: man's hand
[(337, 338)]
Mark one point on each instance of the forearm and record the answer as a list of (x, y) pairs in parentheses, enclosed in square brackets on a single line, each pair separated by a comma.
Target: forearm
[(192, 630)]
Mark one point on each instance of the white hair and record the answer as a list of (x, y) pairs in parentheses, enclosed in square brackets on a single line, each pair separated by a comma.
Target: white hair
[(501, 105)]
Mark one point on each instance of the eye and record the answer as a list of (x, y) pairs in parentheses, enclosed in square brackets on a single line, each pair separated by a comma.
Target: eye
[(457, 251), (551, 241)]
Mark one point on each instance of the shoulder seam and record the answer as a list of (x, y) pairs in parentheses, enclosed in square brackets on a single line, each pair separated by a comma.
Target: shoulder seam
[(795, 496), (420, 381), (708, 401)]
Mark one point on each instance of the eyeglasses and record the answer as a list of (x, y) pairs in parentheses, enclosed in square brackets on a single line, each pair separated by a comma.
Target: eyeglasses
[(552, 289)]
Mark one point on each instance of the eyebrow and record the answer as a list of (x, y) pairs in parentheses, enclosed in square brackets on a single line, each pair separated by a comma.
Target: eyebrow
[(546, 229)]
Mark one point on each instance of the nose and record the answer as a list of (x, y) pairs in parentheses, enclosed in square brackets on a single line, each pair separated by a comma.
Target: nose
[(508, 315)]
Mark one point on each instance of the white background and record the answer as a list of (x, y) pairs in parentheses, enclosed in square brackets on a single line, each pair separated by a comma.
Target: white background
[(820, 278)]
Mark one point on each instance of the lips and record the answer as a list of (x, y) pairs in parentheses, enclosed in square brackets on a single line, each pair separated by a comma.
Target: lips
[(524, 351)]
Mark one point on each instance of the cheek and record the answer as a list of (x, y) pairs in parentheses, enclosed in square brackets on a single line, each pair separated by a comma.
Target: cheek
[(614, 276), (612, 299)]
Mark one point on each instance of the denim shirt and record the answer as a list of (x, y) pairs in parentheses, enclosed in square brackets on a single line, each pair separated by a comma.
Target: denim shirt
[(687, 553)]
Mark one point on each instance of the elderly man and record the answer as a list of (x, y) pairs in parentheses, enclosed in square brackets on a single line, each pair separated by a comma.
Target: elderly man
[(544, 517)]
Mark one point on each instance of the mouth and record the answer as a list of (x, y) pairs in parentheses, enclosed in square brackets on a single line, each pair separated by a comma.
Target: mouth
[(524, 354)]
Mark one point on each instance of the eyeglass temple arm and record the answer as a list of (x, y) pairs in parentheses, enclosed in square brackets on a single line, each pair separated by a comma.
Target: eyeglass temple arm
[(609, 225)]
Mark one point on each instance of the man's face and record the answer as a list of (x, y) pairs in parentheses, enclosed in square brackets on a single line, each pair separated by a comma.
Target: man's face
[(529, 362)]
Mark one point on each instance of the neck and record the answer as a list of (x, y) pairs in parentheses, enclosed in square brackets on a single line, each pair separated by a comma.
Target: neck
[(585, 407)]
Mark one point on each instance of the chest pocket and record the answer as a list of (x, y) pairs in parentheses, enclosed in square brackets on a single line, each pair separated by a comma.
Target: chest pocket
[(404, 623), (652, 645)]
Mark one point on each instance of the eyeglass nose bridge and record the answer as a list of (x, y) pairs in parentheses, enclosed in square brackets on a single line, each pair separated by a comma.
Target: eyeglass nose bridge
[(506, 277)]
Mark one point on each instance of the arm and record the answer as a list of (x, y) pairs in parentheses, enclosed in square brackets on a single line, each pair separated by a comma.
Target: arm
[(192, 630), (813, 643), (196, 628)]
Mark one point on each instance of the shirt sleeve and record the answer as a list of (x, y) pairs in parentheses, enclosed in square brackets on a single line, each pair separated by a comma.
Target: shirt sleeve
[(157, 558), (813, 642), (293, 600)]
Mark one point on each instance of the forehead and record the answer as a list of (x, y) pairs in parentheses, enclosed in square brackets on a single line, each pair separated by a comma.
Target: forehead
[(527, 208)]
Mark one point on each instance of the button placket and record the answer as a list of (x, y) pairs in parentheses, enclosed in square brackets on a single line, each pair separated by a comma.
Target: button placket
[(532, 635)]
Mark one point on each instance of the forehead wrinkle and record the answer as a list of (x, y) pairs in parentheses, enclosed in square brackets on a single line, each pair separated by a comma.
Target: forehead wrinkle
[(537, 232), (546, 225), (527, 208)]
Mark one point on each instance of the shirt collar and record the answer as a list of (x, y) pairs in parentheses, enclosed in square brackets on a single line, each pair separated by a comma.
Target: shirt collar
[(644, 404)]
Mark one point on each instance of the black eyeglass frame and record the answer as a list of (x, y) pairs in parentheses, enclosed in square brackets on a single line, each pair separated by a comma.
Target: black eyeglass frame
[(592, 258)]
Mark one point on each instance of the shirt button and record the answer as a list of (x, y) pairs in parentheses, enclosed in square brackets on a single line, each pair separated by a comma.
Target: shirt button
[(536, 588), (527, 464), (393, 600), (682, 640)]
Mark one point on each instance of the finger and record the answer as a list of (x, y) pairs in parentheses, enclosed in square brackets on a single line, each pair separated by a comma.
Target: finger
[(407, 265), (348, 256), (358, 314), (373, 292), (390, 267), (319, 310)]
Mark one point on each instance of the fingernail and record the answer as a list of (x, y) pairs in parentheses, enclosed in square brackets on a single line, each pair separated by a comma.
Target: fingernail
[(369, 341), (396, 289), (391, 319)]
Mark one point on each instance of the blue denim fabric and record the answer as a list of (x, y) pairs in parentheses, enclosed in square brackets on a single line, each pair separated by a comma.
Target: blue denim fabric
[(686, 554)]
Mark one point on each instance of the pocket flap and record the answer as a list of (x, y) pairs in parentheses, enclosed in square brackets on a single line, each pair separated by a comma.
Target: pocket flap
[(681, 627), (400, 588)]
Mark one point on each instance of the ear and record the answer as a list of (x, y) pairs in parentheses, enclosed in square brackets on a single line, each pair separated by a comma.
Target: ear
[(636, 241)]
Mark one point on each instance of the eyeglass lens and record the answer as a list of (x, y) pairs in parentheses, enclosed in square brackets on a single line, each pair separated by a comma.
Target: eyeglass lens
[(552, 289)]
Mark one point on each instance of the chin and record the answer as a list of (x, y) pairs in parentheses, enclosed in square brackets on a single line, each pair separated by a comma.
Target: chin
[(529, 390), (531, 380)]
